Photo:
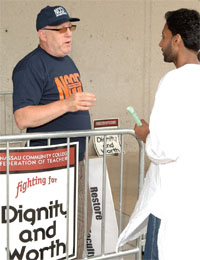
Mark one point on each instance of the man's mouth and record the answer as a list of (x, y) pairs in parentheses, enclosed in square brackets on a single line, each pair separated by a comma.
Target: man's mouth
[(68, 42)]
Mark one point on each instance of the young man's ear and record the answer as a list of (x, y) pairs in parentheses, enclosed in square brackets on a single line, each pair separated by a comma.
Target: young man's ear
[(177, 39)]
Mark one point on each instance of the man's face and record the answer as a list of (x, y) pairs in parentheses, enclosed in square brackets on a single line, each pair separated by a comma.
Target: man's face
[(166, 45), (58, 43)]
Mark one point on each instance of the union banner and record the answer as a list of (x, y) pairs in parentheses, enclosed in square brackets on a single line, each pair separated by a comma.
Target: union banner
[(36, 185)]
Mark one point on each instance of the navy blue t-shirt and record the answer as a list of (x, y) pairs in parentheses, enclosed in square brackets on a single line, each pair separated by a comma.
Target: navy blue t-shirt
[(40, 79)]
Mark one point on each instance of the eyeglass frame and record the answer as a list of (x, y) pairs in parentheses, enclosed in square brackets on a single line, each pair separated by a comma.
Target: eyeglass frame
[(71, 27)]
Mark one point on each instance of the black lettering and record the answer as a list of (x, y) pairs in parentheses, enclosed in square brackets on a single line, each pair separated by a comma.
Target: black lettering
[(23, 234), (30, 219), (53, 228), (95, 202), (17, 254), (4, 211), (31, 252), (58, 245), (93, 189)]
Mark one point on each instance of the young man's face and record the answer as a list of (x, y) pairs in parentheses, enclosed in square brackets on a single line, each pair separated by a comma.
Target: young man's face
[(166, 45), (58, 43)]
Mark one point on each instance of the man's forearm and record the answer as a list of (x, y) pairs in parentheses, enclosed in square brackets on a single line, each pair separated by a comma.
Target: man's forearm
[(34, 116)]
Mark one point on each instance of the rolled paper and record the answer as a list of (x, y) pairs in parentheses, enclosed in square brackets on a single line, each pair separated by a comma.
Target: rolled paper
[(134, 115)]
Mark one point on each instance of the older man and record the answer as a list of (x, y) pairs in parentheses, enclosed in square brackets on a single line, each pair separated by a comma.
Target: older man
[(48, 93)]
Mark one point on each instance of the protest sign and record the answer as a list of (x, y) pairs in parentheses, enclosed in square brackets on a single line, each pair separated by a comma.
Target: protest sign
[(112, 141), (37, 210), (111, 227)]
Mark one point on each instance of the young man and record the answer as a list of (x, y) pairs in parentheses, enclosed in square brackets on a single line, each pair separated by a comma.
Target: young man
[(48, 94), (171, 191)]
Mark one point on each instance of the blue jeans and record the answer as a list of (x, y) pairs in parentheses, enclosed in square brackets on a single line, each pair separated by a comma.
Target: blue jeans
[(151, 248)]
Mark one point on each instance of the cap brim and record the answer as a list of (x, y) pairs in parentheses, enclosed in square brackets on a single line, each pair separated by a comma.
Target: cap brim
[(74, 19), (63, 20)]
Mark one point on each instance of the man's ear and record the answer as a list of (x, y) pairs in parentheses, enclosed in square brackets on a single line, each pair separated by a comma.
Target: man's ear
[(177, 40), (42, 35)]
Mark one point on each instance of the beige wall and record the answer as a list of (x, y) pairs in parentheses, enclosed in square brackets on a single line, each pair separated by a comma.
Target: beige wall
[(115, 48)]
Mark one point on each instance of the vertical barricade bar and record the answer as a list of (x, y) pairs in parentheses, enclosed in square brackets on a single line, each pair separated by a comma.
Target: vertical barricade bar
[(49, 141), (103, 198), (7, 199), (121, 183), (67, 199), (140, 184), (86, 195)]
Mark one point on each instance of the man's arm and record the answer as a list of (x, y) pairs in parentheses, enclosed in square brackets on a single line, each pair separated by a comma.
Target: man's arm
[(34, 116)]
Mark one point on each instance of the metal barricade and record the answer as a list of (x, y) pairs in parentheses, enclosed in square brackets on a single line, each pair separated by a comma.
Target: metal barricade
[(7, 140)]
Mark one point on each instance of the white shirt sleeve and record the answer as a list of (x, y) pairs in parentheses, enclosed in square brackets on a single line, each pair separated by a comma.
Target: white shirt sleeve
[(163, 142)]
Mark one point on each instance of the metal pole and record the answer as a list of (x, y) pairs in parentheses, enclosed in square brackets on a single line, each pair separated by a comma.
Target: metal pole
[(121, 184), (86, 195), (8, 200), (67, 198), (103, 198)]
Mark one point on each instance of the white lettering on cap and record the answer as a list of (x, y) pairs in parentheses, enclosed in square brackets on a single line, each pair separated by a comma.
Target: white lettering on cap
[(60, 11)]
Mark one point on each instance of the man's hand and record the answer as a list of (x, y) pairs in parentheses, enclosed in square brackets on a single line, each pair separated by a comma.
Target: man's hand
[(34, 116), (80, 101), (142, 131)]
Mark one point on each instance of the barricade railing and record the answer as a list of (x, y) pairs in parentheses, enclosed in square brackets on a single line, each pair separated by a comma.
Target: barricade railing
[(7, 140)]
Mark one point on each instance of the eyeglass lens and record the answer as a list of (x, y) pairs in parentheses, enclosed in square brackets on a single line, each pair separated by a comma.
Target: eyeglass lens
[(61, 30), (64, 29)]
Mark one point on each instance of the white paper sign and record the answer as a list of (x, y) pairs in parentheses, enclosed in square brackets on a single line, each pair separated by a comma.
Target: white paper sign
[(112, 141), (38, 207)]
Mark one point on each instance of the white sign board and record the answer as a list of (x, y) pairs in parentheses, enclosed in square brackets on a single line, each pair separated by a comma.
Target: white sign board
[(111, 228), (112, 141), (37, 199)]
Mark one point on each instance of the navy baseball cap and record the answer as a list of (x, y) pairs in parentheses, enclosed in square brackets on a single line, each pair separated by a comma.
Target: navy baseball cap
[(53, 15)]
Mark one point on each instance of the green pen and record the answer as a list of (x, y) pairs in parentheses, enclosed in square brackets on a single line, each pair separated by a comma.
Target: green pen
[(134, 115)]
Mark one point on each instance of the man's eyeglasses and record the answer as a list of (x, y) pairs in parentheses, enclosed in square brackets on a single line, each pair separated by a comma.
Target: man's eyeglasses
[(62, 30)]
